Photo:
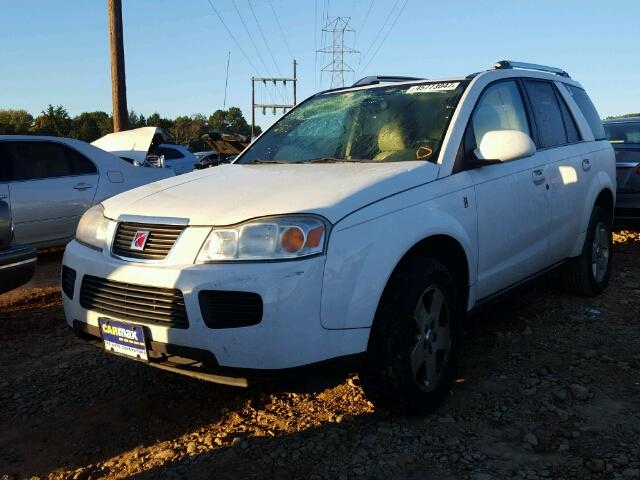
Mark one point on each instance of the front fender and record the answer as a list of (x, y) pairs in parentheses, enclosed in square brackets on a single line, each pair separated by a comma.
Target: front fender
[(365, 248)]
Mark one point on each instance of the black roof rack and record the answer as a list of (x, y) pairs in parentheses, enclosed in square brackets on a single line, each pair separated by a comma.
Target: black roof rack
[(502, 64), (374, 79)]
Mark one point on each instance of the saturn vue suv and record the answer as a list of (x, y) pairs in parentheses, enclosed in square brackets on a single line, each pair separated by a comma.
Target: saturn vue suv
[(362, 227)]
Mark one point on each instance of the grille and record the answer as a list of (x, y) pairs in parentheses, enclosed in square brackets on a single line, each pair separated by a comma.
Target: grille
[(68, 281), (160, 240), (134, 302), (221, 309)]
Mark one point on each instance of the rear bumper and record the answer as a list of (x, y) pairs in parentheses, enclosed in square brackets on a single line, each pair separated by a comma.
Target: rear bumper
[(17, 266)]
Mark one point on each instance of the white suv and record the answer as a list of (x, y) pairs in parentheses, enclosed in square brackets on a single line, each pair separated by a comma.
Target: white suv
[(365, 224)]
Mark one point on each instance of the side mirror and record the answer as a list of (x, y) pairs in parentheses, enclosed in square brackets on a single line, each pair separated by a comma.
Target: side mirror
[(161, 161), (505, 145)]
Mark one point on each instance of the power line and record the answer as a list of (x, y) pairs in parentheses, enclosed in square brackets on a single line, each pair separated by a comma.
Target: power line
[(266, 44), (366, 17), (387, 34), (358, 33), (264, 39), (251, 38), (384, 25), (280, 27), (255, 70)]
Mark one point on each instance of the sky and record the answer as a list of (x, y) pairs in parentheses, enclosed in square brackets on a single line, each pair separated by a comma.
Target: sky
[(57, 52)]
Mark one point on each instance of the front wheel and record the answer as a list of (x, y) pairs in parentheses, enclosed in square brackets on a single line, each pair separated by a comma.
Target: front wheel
[(588, 274), (413, 349)]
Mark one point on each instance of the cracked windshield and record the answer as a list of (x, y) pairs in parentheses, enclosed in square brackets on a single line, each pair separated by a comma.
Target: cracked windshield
[(388, 124)]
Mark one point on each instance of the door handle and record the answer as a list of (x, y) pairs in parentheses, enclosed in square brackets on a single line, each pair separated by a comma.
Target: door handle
[(586, 164), (538, 176), (3, 196), (82, 186)]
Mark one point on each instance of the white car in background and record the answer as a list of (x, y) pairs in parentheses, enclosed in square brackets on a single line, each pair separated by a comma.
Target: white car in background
[(148, 147), (49, 182)]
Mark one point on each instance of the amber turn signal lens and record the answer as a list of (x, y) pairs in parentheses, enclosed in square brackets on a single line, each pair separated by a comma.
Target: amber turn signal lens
[(292, 240), (314, 236)]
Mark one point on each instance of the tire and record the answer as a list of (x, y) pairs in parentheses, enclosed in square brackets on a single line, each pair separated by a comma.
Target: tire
[(412, 356), (588, 273)]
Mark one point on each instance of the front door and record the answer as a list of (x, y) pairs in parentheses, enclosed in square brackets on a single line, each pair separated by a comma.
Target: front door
[(511, 197)]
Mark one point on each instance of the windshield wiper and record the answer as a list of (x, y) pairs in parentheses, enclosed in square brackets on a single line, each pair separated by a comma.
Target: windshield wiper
[(333, 160), (258, 160)]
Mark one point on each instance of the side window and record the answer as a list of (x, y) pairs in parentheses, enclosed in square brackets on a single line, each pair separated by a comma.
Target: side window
[(40, 159), (546, 113), (588, 110), (500, 108), (169, 153), (78, 163), (573, 135)]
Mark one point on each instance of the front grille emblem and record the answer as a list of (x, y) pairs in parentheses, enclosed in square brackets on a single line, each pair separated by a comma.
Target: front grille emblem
[(139, 240)]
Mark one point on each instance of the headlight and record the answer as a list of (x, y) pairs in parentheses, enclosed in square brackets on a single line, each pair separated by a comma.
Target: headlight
[(92, 228), (272, 238)]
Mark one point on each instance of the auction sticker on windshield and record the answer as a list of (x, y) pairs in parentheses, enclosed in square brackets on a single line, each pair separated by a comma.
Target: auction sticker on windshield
[(123, 338), (434, 87)]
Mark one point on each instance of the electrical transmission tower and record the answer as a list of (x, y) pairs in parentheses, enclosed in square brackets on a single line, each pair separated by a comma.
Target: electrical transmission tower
[(337, 27)]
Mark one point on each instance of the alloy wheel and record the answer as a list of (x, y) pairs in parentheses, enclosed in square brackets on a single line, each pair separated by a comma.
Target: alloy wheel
[(600, 252), (431, 350)]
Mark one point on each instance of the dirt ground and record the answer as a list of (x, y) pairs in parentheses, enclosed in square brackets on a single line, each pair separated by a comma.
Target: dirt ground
[(549, 387)]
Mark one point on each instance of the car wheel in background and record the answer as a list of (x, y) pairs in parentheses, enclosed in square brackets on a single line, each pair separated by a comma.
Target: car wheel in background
[(413, 348)]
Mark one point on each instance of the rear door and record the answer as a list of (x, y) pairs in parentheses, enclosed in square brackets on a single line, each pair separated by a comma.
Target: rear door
[(512, 201), (50, 185), (559, 138)]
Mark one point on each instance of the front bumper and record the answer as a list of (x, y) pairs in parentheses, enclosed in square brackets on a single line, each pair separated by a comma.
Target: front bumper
[(289, 335), (17, 265)]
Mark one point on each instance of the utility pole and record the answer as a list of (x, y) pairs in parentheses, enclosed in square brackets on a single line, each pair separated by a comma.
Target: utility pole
[(273, 106), (118, 83), (337, 27)]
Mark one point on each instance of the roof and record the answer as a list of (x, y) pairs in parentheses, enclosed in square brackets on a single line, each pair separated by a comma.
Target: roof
[(536, 70)]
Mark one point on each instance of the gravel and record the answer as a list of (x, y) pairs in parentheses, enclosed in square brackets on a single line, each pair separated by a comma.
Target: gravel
[(547, 389)]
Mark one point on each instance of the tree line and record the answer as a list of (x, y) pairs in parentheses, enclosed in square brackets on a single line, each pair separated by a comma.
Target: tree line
[(186, 130)]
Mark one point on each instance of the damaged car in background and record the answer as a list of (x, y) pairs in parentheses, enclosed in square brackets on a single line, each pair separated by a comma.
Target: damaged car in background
[(49, 182), (225, 148), (148, 147)]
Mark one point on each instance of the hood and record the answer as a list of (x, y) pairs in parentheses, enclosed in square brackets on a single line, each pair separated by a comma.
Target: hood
[(231, 194), (136, 140)]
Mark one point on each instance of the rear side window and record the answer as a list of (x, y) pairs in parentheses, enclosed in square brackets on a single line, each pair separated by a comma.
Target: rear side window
[(546, 113), (570, 126), (40, 159), (588, 110)]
